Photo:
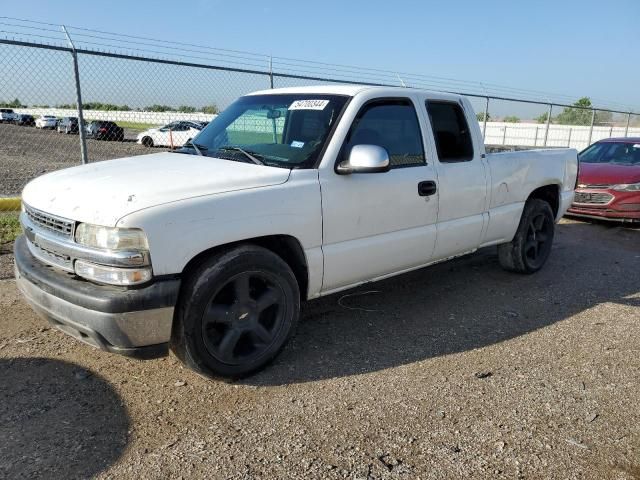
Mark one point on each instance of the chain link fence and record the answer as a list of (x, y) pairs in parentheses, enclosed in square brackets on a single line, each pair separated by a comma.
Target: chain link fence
[(152, 96)]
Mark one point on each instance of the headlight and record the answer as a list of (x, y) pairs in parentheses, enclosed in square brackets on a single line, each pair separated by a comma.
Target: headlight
[(626, 187), (109, 238), (112, 275)]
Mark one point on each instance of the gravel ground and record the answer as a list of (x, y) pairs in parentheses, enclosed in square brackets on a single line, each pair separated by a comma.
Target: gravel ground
[(460, 370), (27, 152)]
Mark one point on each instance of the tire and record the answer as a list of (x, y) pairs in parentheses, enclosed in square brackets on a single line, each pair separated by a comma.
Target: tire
[(147, 142), (531, 245), (236, 312)]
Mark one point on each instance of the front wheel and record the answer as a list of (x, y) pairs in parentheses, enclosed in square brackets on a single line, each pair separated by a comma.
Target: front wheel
[(236, 312), (531, 245)]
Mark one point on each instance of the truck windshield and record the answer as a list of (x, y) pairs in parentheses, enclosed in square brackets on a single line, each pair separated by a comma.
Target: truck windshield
[(279, 130)]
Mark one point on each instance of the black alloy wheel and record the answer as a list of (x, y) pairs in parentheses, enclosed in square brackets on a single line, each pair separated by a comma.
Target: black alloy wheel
[(244, 317)]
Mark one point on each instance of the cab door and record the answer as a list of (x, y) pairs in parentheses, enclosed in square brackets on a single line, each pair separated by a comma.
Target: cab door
[(377, 224), (462, 177)]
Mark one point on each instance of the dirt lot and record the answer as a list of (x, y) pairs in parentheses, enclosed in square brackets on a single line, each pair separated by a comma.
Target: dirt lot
[(27, 152), (460, 370)]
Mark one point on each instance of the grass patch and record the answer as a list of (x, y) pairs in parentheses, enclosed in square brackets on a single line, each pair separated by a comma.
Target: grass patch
[(9, 227)]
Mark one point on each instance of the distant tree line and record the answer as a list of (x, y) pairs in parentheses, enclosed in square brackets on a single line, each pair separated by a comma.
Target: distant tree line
[(577, 114), (15, 104), (208, 109)]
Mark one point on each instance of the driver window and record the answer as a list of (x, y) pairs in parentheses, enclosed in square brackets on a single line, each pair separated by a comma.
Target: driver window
[(392, 124)]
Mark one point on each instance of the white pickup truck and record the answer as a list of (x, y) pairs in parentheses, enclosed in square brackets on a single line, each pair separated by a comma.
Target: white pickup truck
[(288, 195)]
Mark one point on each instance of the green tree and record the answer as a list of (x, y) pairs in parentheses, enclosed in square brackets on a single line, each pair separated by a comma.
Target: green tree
[(480, 117), (542, 118), (14, 104), (186, 109), (159, 108), (511, 119), (576, 116), (109, 107), (603, 117), (210, 109)]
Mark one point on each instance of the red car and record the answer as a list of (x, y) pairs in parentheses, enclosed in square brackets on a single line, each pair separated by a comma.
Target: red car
[(609, 181)]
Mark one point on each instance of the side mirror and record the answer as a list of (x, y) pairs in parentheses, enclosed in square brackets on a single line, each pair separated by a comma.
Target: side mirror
[(365, 159)]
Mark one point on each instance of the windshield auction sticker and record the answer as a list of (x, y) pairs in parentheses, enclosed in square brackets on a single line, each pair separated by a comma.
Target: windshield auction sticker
[(308, 105)]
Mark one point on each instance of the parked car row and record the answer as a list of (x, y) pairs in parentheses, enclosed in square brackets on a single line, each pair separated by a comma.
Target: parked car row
[(97, 129), (174, 134)]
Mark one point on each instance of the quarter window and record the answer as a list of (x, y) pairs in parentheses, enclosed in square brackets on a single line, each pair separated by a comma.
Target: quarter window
[(392, 124), (451, 131)]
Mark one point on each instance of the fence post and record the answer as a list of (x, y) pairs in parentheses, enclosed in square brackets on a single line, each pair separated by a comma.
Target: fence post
[(593, 119), (504, 136), (484, 122), (569, 141), (271, 72), (76, 73), (626, 130), (546, 130), (535, 138)]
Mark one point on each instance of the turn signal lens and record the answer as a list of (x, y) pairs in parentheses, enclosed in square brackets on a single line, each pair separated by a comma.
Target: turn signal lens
[(112, 275)]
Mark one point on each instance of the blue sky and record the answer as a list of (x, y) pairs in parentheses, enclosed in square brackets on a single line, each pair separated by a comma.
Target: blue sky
[(575, 48)]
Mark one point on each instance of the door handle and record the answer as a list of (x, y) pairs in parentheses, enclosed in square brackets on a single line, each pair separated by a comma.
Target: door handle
[(427, 188)]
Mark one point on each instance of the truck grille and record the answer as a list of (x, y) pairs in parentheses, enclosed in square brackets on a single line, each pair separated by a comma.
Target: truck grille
[(58, 225), (593, 198)]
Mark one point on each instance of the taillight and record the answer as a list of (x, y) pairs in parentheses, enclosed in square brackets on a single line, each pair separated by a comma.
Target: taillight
[(102, 129)]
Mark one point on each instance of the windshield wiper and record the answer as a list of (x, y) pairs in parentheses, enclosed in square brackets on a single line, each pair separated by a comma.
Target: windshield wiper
[(249, 155), (198, 148)]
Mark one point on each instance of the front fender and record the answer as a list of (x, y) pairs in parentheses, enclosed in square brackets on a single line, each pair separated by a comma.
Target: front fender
[(179, 231)]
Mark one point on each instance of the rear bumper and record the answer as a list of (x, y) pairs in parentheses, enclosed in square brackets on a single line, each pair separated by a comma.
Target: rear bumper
[(603, 215), (132, 322)]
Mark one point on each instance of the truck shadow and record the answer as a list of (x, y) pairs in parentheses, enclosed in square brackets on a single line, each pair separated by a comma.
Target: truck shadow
[(57, 420), (457, 306)]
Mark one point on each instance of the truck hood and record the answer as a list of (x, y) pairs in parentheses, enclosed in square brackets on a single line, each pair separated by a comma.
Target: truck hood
[(608, 174), (103, 192)]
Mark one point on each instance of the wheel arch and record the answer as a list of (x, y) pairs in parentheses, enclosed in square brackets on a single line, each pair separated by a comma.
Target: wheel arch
[(287, 247), (549, 193)]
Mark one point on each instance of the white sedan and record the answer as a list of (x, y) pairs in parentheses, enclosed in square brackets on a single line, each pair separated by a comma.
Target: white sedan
[(46, 121), (174, 134)]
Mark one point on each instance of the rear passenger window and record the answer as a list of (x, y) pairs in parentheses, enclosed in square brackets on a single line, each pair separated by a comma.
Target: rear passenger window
[(451, 131), (392, 124)]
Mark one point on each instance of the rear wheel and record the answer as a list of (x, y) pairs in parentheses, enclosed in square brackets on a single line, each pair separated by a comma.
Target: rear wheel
[(147, 142), (236, 312), (531, 245)]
